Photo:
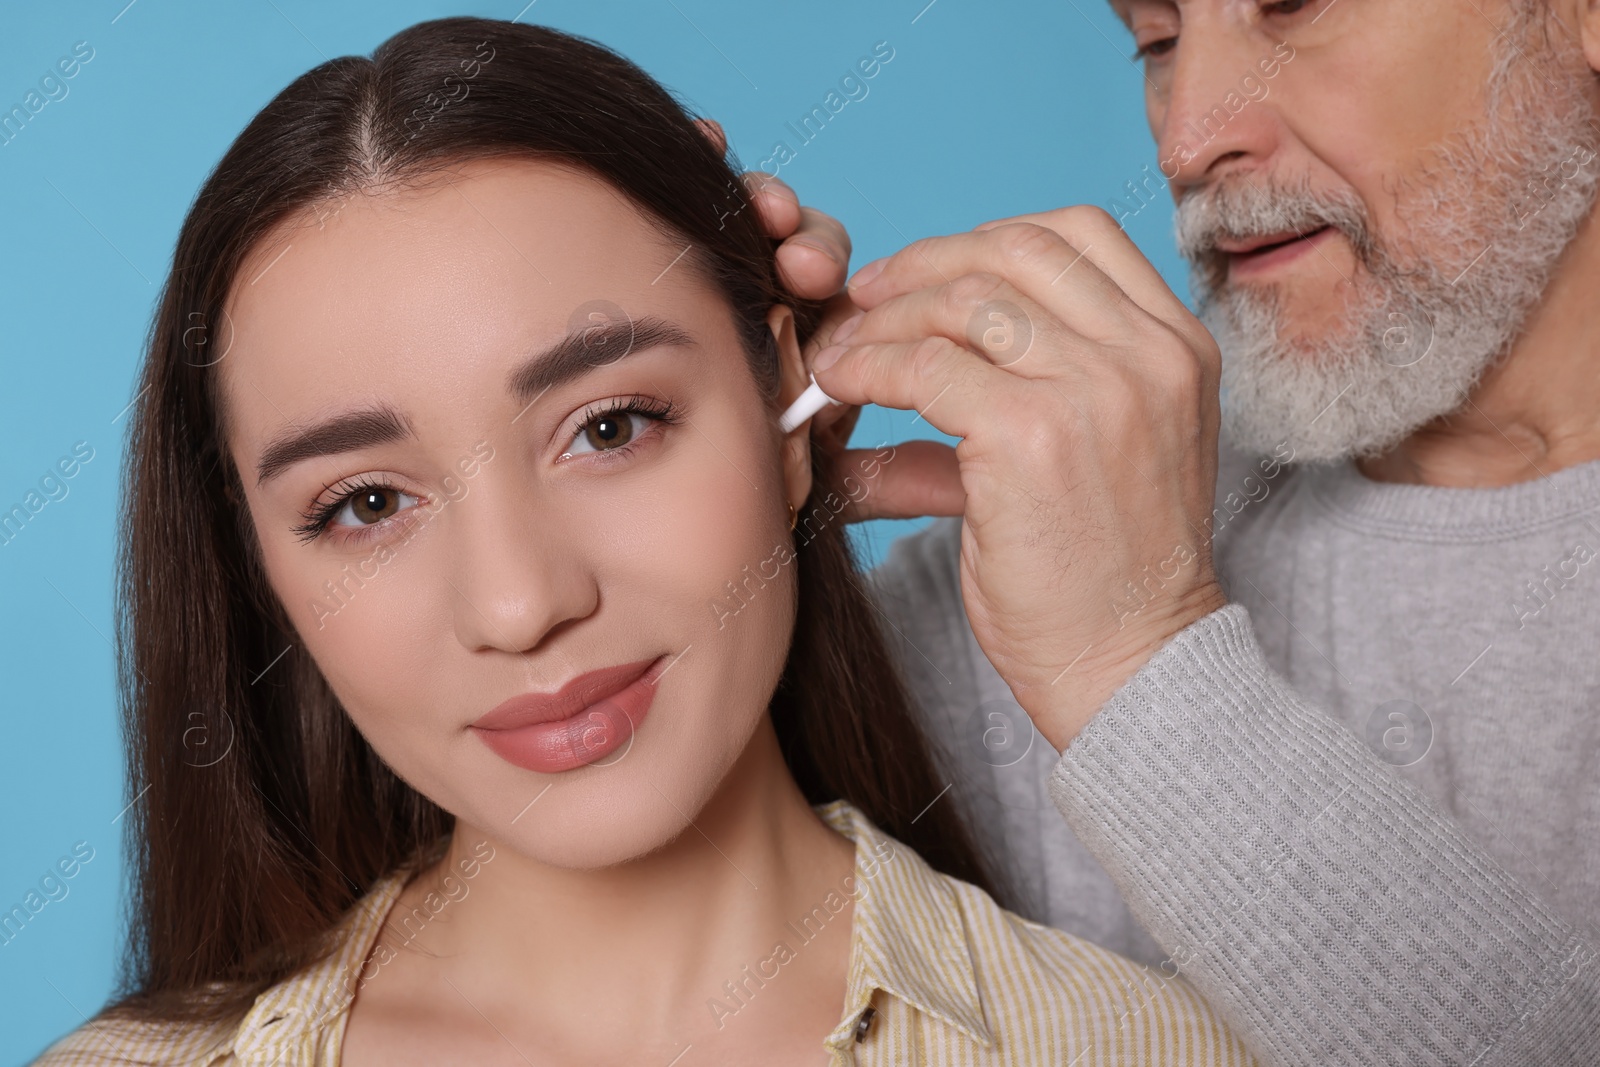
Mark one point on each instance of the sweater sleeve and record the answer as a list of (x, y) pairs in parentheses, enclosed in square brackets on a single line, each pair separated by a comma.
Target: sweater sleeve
[(1321, 903)]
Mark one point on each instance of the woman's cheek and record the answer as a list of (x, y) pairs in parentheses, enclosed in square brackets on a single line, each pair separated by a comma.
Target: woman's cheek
[(702, 520), (366, 626)]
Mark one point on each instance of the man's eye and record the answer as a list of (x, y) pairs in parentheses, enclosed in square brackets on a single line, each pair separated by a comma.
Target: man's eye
[(1283, 7), (1155, 49)]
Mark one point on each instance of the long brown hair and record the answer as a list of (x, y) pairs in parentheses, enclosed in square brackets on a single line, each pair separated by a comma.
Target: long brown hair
[(262, 815)]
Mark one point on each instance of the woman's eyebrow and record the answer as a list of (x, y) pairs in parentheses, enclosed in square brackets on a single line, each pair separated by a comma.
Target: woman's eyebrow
[(583, 350), (346, 432), (588, 348)]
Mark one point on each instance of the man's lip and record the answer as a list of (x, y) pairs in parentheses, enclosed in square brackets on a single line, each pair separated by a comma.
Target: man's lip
[(1246, 245), (531, 709)]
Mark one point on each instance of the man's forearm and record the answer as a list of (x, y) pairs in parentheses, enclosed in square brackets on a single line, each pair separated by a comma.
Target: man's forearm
[(1320, 902)]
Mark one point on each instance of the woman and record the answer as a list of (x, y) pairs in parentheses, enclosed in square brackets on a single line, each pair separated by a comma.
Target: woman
[(487, 645)]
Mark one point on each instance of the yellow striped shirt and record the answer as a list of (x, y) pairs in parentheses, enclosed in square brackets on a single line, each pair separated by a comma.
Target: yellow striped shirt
[(939, 975)]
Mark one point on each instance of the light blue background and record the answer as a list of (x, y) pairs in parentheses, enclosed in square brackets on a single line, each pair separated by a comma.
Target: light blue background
[(987, 109)]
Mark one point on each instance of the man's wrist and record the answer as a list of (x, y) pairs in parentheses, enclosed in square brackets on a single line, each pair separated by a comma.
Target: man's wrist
[(1063, 708)]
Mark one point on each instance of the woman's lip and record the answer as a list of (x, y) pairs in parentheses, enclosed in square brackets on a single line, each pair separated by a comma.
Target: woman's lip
[(530, 709), (525, 735), (1265, 257)]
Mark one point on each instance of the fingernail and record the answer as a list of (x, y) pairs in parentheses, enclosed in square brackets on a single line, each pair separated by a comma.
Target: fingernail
[(827, 357), (848, 327), (867, 273)]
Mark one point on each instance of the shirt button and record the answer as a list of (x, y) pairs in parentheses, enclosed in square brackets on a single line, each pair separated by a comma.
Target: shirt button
[(864, 1024)]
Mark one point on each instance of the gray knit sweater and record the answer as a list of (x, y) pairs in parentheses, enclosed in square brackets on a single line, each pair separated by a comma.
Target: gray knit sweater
[(1359, 807)]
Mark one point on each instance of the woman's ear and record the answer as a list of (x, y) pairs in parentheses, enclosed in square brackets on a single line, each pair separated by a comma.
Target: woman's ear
[(792, 381)]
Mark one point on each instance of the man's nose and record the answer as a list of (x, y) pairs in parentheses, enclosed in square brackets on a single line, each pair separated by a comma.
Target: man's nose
[(1215, 111)]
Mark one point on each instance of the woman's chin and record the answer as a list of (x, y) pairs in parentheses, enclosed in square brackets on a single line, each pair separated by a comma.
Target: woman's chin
[(693, 760), (600, 831)]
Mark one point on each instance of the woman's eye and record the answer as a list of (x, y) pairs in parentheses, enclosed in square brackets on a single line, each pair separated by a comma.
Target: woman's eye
[(371, 506), (607, 432), (618, 424), (1283, 7)]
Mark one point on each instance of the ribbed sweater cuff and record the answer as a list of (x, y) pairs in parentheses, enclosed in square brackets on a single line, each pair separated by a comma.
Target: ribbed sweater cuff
[(1296, 879)]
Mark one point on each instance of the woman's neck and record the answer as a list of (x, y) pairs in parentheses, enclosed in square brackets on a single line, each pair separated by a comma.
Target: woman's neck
[(627, 960)]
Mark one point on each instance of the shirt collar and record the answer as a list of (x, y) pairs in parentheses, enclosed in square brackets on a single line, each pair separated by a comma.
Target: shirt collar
[(290, 1022), (909, 935), (908, 939)]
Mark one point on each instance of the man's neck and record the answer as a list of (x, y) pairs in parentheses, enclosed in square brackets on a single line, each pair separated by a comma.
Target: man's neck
[(1536, 411)]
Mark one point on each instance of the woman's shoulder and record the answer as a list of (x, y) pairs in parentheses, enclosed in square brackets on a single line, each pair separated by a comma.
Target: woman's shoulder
[(124, 1042), (1126, 1005), (953, 957), (293, 1022)]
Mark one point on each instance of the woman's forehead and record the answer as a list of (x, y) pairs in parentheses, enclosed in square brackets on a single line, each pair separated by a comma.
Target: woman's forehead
[(453, 276), (524, 226)]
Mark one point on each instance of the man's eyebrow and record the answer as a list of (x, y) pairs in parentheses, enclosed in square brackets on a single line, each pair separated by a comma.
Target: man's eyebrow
[(1123, 9), (588, 348), (345, 432)]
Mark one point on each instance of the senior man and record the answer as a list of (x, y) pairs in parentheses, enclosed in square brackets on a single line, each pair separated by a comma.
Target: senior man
[(1326, 708)]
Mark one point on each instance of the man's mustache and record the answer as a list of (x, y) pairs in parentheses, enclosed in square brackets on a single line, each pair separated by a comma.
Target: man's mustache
[(1231, 211)]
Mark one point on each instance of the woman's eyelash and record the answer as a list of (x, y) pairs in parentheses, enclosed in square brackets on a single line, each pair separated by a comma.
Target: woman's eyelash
[(648, 406), (317, 518)]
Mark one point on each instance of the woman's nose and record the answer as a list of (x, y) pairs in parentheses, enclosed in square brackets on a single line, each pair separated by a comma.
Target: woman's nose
[(517, 573)]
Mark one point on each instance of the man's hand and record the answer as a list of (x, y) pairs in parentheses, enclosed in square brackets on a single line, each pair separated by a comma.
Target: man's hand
[(1088, 411), (813, 259), (1085, 397)]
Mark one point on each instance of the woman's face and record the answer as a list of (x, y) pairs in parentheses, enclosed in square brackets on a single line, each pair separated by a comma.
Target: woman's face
[(512, 503)]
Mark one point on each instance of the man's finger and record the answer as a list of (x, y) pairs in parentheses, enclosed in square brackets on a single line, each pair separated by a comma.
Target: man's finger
[(985, 313), (1110, 248), (776, 204), (945, 383), (815, 254), (812, 263), (826, 232), (1035, 260), (836, 311), (917, 478), (714, 133)]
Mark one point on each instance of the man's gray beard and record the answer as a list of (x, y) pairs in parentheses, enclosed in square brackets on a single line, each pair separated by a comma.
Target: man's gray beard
[(1424, 321)]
